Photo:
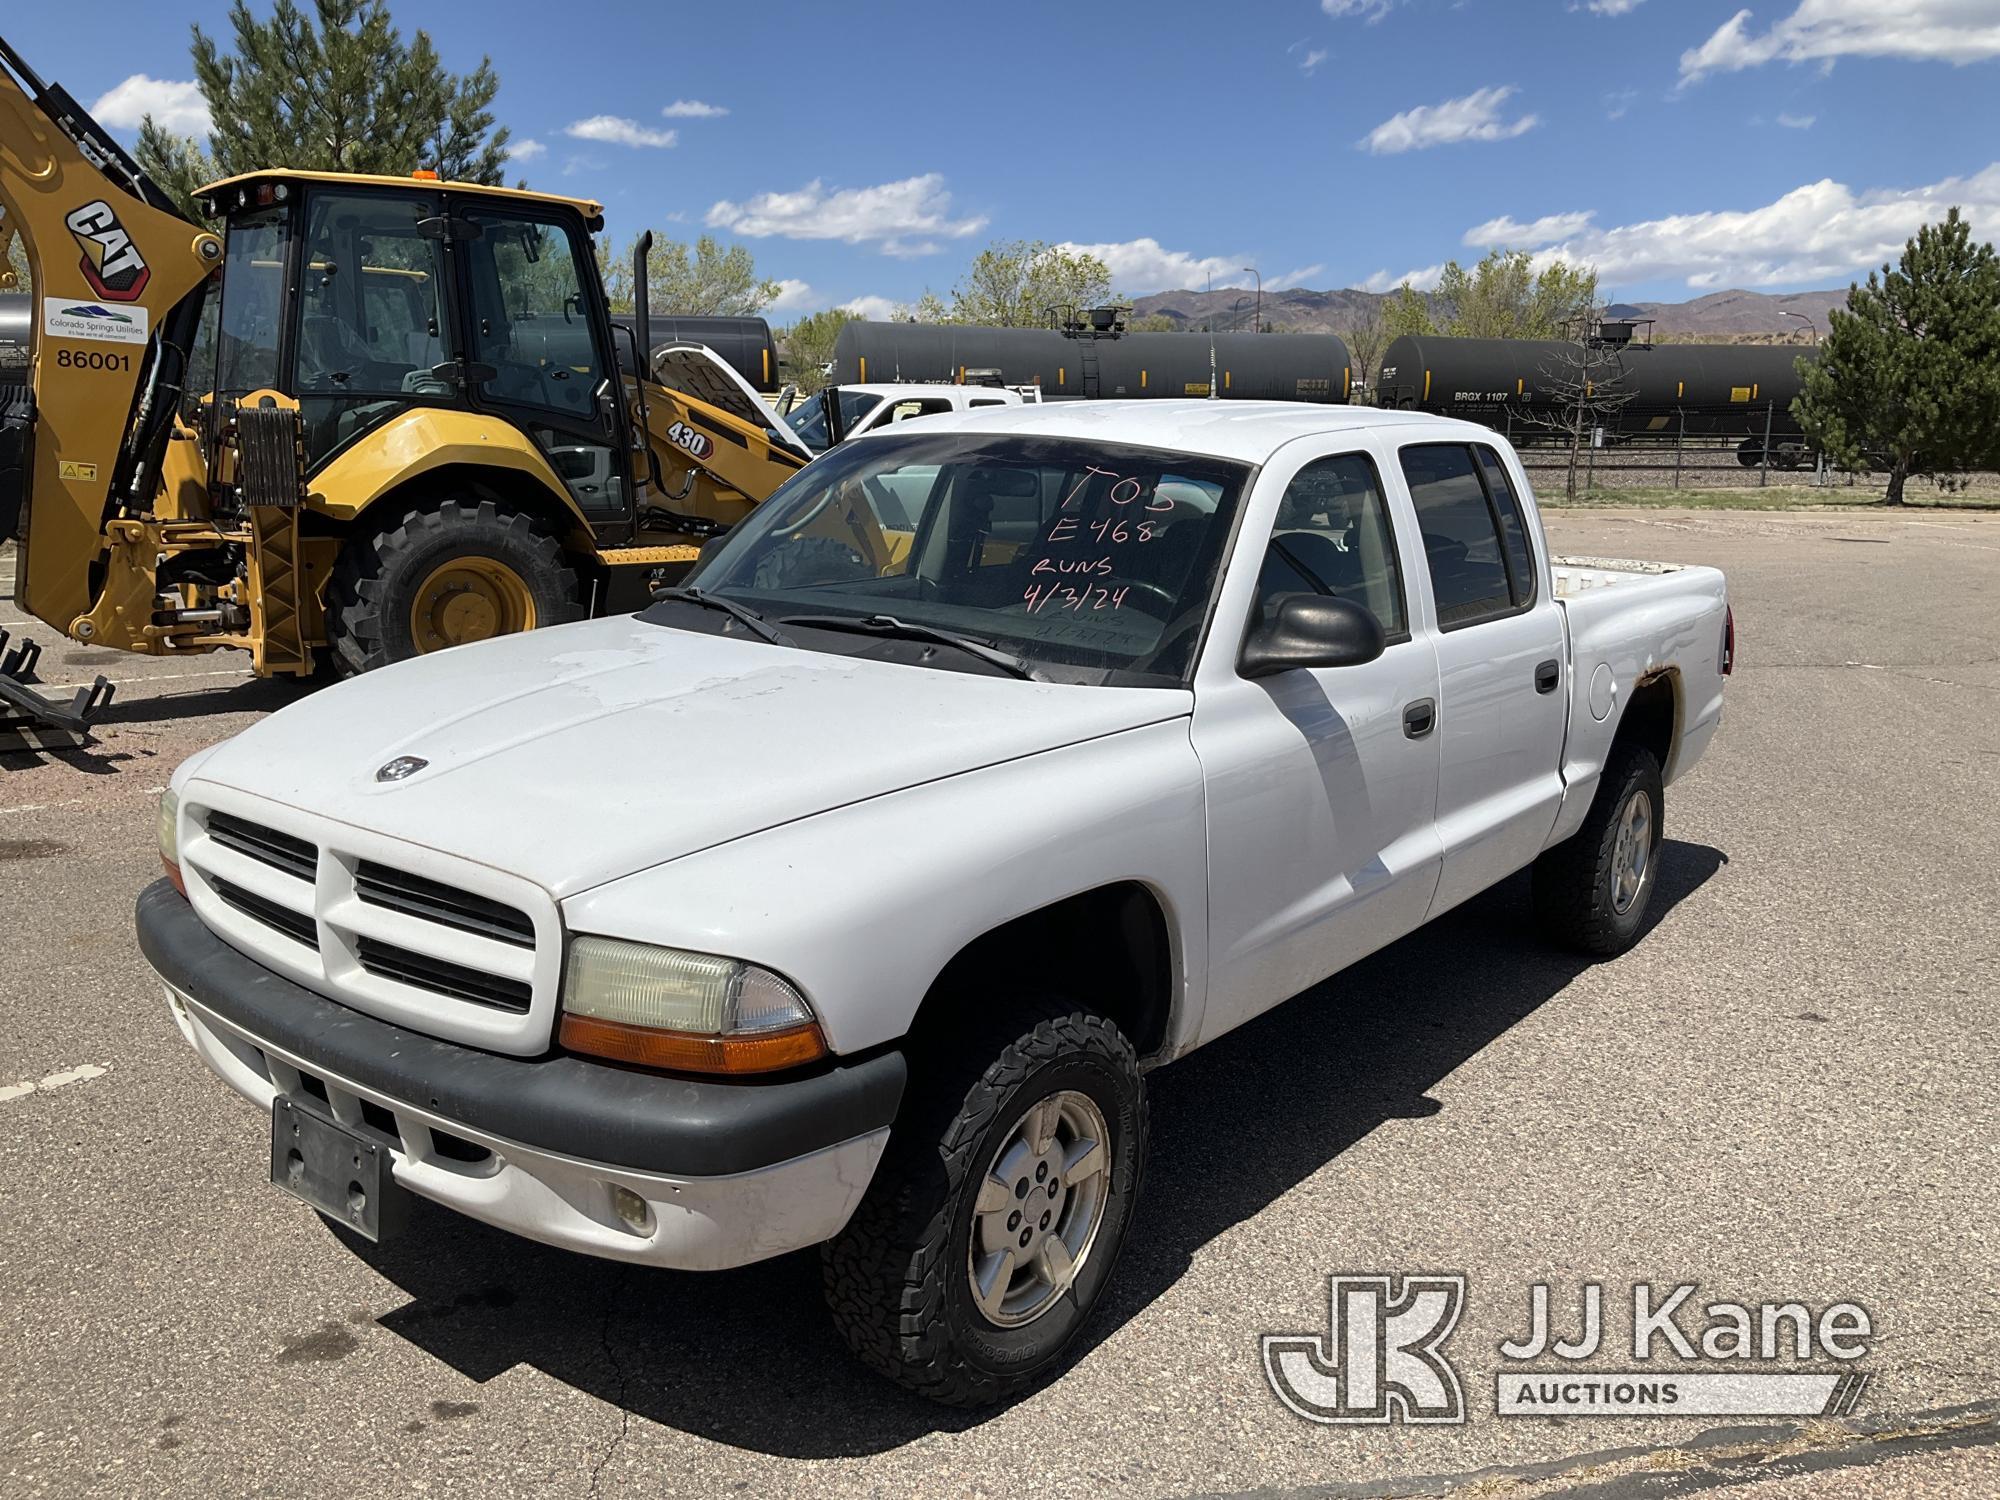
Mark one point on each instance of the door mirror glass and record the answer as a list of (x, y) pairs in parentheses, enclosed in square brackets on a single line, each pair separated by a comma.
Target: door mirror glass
[(1311, 630)]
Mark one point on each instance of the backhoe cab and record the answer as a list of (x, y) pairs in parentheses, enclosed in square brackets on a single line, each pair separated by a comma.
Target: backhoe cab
[(355, 420)]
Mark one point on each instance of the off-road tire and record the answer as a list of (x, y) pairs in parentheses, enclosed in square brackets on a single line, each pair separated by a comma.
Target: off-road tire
[(377, 576), (896, 1276), (1573, 882)]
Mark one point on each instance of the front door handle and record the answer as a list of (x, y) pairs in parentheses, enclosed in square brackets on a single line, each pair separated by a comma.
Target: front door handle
[(1419, 718), (1547, 675)]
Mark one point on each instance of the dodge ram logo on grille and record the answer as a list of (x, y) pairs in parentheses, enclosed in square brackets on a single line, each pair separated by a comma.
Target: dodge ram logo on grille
[(402, 768)]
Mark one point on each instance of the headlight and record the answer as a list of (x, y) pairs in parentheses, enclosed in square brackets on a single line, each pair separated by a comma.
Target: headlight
[(664, 1008), (170, 837)]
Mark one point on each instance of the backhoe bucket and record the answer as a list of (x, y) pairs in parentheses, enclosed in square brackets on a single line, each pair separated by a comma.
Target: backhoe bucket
[(17, 436), (29, 719)]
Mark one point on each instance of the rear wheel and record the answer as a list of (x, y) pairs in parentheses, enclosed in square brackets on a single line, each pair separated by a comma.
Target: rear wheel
[(997, 1213), (443, 577), (1592, 891)]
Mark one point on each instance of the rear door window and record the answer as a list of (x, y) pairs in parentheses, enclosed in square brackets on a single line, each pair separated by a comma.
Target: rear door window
[(1478, 572)]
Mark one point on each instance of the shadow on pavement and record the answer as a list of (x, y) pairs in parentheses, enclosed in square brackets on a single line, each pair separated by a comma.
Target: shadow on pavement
[(748, 1357)]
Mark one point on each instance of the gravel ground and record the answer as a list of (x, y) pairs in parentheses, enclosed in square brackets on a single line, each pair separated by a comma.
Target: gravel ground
[(1785, 1092)]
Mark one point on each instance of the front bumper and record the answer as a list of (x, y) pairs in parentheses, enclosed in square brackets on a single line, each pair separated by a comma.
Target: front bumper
[(732, 1172)]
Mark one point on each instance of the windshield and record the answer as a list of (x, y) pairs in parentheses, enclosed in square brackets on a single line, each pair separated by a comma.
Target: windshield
[(1093, 562), (808, 418)]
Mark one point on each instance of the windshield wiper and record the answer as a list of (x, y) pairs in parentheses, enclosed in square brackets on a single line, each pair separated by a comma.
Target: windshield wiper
[(910, 630), (756, 622)]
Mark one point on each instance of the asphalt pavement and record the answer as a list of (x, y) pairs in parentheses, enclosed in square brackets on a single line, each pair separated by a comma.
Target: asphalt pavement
[(1785, 1093)]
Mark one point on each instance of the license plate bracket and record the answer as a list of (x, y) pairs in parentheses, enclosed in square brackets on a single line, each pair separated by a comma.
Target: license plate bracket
[(340, 1172)]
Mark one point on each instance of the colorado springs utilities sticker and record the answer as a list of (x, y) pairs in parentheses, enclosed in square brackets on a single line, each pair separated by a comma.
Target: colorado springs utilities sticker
[(69, 318)]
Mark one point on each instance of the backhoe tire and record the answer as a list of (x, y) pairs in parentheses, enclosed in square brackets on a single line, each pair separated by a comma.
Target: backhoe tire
[(964, 1190), (458, 571), (1592, 890)]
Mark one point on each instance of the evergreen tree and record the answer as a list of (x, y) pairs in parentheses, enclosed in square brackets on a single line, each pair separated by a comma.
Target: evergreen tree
[(1909, 375), (336, 90)]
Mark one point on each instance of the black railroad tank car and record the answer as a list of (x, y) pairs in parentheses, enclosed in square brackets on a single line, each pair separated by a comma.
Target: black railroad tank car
[(1248, 366), (744, 344), (1718, 390), (16, 320)]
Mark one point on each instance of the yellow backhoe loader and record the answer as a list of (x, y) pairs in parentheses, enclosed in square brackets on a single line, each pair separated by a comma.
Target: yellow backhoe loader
[(360, 419)]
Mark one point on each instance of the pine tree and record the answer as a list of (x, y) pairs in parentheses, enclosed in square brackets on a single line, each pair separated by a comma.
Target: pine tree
[(338, 90), (1909, 375)]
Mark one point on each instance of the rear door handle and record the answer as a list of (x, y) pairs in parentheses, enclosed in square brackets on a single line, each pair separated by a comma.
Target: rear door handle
[(1547, 675), (1419, 718)]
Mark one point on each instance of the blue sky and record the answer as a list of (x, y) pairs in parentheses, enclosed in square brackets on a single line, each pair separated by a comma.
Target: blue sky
[(865, 152)]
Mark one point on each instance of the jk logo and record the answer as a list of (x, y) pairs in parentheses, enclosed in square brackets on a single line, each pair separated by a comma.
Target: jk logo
[(1381, 1358)]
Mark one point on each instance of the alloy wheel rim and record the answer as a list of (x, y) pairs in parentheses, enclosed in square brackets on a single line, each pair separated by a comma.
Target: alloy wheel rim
[(1632, 853), (469, 599), (1039, 1208)]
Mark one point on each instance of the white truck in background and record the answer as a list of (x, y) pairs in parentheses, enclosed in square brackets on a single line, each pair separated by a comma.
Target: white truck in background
[(845, 896)]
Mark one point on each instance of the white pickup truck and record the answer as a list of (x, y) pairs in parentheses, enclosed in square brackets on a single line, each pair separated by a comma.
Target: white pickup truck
[(845, 897)]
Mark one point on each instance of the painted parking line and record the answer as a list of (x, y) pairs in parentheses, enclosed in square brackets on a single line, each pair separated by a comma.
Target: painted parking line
[(83, 1074)]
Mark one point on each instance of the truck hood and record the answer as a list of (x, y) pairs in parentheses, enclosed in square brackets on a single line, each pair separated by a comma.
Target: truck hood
[(583, 753)]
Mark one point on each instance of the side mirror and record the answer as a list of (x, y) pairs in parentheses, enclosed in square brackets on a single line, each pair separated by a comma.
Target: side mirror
[(1311, 630)]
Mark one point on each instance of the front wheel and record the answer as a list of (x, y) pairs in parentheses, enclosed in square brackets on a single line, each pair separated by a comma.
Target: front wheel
[(1592, 890), (997, 1213), (461, 572)]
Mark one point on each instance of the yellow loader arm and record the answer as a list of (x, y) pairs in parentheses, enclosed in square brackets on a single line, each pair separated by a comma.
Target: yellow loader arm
[(116, 273), (712, 464)]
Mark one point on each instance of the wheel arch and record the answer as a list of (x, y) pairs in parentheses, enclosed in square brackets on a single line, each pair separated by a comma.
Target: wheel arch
[(1110, 948), (1652, 718)]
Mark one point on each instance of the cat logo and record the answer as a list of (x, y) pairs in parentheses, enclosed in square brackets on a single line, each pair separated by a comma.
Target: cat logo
[(112, 264)]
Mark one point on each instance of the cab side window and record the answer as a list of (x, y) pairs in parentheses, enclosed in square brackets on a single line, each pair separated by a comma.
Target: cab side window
[(1333, 537), (1474, 538)]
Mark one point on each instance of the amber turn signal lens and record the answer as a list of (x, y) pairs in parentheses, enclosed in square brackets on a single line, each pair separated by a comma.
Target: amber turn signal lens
[(683, 1052), (174, 874)]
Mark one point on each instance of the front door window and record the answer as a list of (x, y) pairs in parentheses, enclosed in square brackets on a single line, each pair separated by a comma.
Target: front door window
[(532, 332), (371, 315)]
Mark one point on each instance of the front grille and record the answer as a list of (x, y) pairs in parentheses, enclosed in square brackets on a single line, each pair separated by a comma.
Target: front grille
[(265, 845), (441, 976), (298, 926), (432, 901)]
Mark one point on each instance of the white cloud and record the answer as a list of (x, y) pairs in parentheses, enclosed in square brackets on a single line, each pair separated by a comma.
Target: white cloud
[(1311, 61), (1797, 122), (875, 309), (1424, 279), (174, 106), (1619, 104), (1955, 31), (1144, 265), (896, 216), (1370, 11), (525, 150), (793, 296), (1294, 278), (616, 131), (1824, 232), (1612, 7), (693, 109), (1509, 234), (1476, 117)]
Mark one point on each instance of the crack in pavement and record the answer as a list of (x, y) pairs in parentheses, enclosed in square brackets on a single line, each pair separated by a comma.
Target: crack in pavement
[(1719, 1457), (614, 1285)]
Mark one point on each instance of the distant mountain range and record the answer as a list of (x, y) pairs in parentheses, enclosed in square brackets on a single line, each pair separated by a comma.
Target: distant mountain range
[(1735, 316)]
